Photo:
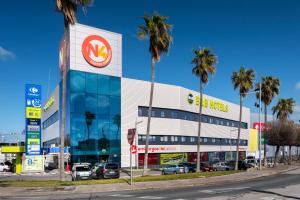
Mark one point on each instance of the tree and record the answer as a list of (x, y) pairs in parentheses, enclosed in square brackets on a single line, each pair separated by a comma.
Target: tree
[(242, 80), (68, 8), (204, 64), (157, 30), (280, 133), (284, 108), (269, 89)]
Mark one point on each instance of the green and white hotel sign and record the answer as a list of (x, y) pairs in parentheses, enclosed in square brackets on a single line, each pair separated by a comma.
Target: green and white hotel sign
[(207, 103)]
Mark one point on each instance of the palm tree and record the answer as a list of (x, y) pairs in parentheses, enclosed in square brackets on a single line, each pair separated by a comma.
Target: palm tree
[(117, 122), (284, 108), (204, 64), (68, 8), (89, 118), (157, 30), (269, 89), (242, 80)]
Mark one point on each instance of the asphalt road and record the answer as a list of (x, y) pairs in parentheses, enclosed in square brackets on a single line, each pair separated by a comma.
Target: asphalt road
[(282, 186)]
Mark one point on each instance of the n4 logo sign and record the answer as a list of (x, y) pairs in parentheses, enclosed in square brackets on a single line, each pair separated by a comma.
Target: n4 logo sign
[(96, 51)]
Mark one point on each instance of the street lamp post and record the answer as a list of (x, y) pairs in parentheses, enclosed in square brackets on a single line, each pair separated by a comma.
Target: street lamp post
[(259, 127)]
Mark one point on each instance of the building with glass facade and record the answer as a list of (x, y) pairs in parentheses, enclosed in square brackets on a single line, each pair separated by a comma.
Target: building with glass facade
[(94, 117), (102, 105)]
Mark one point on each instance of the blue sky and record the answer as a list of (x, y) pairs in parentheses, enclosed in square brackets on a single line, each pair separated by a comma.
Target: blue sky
[(263, 35)]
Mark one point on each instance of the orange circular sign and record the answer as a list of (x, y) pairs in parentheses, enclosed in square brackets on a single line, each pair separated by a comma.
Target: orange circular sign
[(96, 51)]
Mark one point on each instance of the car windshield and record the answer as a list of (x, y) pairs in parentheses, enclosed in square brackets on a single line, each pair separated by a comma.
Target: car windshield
[(82, 168)]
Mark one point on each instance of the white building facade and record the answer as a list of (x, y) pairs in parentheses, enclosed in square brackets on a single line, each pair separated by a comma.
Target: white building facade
[(102, 105)]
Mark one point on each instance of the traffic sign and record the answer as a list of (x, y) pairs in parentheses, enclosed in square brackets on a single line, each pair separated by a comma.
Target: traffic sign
[(131, 135)]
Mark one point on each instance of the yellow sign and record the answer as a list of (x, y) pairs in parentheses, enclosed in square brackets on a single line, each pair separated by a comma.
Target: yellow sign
[(208, 103), (33, 113), (172, 158), (253, 140), (33, 141), (49, 103), (34, 163)]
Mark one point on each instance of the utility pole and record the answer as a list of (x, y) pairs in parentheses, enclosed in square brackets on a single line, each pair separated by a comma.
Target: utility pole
[(259, 127)]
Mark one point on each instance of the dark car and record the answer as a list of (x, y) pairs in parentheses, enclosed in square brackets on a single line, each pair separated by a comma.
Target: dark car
[(192, 167), (242, 165), (205, 167), (106, 170)]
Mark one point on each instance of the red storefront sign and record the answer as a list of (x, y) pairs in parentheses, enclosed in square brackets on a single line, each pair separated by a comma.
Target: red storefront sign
[(257, 125)]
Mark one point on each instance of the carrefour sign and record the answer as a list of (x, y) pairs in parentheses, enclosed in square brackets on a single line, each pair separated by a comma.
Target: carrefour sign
[(207, 103)]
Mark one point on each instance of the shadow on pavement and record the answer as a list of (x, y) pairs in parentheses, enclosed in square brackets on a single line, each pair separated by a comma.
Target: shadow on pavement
[(274, 193)]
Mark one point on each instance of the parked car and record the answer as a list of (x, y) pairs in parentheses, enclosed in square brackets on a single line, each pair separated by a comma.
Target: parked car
[(252, 163), (191, 167), (81, 171), (174, 169), (242, 165), (106, 170), (221, 166), (205, 167), (5, 167)]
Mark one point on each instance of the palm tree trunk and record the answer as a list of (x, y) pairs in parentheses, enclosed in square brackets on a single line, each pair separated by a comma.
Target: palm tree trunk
[(265, 132), (199, 127), (290, 154), (283, 154), (149, 119), (276, 154), (63, 112), (239, 134)]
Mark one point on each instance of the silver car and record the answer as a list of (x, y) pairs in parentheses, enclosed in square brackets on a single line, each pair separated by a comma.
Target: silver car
[(221, 166), (175, 169), (81, 171)]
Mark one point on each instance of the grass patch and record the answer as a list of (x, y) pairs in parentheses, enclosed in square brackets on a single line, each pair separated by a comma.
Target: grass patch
[(56, 183)]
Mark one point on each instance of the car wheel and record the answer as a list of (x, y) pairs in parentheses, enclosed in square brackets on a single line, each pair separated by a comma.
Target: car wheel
[(4, 170), (163, 173), (175, 172)]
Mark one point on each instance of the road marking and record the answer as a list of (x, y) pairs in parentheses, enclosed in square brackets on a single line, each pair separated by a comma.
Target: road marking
[(121, 195), (269, 198), (151, 197), (222, 190)]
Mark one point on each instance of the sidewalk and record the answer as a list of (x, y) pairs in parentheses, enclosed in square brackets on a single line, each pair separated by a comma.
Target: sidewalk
[(17, 191)]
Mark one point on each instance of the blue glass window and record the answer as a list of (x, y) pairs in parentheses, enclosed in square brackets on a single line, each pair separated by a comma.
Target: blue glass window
[(104, 106), (95, 107), (91, 103), (78, 102), (77, 81), (91, 83), (103, 85), (115, 86)]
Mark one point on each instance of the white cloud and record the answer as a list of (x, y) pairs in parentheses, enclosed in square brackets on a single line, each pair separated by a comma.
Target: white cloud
[(6, 54), (297, 86)]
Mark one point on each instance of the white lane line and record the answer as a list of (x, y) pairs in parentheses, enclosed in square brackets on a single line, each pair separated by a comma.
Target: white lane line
[(222, 190), (121, 195), (151, 197), (269, 198)]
